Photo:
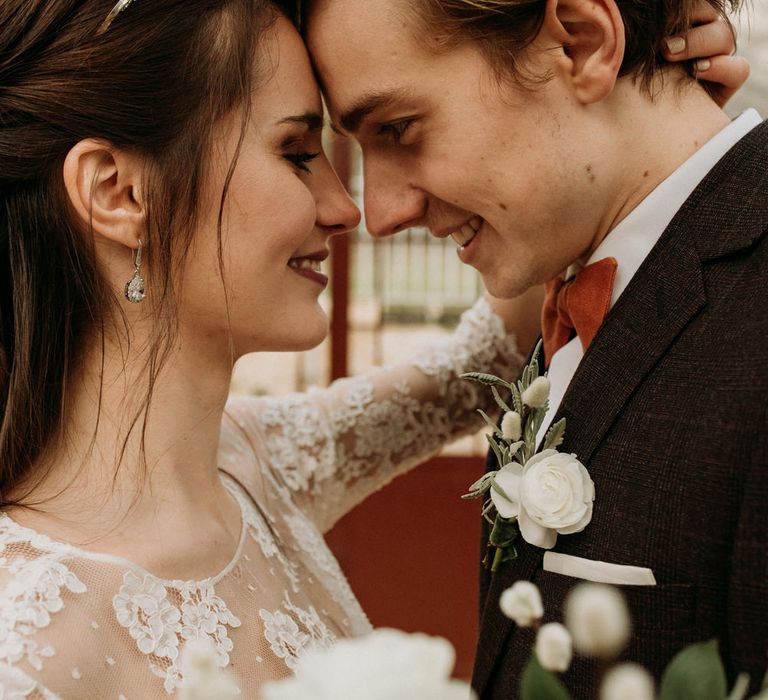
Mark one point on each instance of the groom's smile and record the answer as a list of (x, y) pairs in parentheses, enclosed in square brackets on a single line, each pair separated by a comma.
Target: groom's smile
[(467, 232)]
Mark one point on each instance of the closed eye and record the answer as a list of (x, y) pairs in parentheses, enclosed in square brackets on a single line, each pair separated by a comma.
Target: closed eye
[(300, 160), (394, 131)]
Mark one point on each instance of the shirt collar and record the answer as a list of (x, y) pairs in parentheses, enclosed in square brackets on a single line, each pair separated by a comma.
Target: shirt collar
[(634, 237)]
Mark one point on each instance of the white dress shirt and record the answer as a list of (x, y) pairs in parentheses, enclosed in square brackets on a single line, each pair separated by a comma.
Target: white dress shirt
[(636, 235)]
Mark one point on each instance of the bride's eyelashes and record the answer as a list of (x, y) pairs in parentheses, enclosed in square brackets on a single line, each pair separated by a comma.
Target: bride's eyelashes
[(301, 160), (395, 130)]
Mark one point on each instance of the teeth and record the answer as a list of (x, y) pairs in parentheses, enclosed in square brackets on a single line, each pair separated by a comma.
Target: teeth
[(305, 264), (467, 231)]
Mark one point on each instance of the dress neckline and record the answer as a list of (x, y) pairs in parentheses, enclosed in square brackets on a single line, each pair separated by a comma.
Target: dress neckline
[(65, 549)]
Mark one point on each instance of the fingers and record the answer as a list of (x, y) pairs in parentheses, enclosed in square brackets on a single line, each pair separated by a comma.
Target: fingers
[(706, 40), (703, 12), (713, 43), (726, 73)]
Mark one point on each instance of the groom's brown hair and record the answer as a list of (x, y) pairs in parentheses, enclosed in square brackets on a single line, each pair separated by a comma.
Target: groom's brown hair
[(503, 29)]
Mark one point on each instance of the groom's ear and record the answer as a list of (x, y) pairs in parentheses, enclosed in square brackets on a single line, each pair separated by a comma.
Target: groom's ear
[(591, 33)]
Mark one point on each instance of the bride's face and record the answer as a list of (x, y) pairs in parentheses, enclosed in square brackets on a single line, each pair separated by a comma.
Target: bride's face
[(283, 204)]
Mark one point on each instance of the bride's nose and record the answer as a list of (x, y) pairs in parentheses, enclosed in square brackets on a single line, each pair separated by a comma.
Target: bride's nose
[(336, 211)]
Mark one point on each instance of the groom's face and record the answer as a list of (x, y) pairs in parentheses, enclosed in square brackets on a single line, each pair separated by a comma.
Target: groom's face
[(448, 146)]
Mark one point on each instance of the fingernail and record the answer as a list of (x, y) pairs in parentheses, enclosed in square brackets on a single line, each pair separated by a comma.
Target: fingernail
[(703, 64), (675, 44)]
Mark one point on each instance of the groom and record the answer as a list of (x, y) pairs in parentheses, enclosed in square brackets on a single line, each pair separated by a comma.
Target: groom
[(544, 136)]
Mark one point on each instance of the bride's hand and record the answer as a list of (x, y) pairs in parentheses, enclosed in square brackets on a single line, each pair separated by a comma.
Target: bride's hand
[(521, 316), (710, 41)]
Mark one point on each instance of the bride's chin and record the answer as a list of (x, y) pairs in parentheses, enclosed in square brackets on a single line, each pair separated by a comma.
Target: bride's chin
[(310, 342), (312, 331), (296, 337)]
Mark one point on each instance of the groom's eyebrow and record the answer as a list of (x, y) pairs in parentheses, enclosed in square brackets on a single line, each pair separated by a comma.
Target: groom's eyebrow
[(351, 119)]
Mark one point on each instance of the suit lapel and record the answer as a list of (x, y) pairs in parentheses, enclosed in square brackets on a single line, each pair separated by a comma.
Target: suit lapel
[(661, 300)]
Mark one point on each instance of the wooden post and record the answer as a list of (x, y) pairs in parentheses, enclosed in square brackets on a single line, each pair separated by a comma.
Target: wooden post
[(341, 158)]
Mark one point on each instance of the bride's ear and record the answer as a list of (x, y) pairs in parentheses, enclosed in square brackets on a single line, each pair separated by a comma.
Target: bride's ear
[(591, 33), (104, 189)]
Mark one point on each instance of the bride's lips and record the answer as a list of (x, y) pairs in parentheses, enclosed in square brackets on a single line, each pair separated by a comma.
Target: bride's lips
[(310, 266)]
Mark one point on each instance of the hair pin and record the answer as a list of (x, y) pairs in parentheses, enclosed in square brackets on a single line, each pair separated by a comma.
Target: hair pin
[(116, 10)]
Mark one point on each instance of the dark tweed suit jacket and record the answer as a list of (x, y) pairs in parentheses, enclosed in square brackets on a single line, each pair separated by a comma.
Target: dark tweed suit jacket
[(668, 411)]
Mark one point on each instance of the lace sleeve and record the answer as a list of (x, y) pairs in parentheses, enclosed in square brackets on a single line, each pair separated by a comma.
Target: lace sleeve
[(333, 447)]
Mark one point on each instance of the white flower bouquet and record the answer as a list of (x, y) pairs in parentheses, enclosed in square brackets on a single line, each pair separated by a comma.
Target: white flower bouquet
[(597, 625), (384, 665)]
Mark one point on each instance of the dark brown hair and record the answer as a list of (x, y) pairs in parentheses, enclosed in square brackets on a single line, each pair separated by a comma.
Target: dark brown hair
[(154, 84), (503, 29)]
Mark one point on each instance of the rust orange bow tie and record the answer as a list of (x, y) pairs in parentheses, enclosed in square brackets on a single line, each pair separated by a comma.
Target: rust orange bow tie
[(579, 304)]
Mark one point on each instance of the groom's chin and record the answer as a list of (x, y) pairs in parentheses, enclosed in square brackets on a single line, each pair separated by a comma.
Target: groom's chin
[(507, 283)]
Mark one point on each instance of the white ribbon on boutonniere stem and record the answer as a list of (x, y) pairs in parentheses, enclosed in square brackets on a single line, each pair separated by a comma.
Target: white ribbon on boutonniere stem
[(536, 494)]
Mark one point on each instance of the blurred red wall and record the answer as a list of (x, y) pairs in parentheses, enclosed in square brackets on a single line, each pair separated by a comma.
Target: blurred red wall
[(411, 554)]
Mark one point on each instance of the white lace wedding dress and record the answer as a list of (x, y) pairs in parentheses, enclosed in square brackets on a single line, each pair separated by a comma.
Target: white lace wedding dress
[(77, 624)]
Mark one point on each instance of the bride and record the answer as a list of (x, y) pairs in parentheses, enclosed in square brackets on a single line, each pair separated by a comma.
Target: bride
[(166, 207)]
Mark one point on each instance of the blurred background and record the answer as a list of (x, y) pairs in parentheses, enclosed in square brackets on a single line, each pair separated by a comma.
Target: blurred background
[(388, 299)]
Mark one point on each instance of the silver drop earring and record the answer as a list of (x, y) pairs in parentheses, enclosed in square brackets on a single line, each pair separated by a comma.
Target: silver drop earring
[(135, 290)]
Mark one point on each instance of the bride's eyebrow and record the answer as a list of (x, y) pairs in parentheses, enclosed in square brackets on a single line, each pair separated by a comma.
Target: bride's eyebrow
[(312, 120)]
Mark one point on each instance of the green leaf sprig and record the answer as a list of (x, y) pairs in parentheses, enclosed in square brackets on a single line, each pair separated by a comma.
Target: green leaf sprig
[(510, 398)]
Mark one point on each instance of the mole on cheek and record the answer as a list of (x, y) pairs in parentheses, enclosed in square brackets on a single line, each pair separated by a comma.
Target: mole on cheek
[(502, 206), (590, 173)]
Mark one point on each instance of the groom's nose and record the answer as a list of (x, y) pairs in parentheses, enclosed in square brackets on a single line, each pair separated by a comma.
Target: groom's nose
[(392, 202)]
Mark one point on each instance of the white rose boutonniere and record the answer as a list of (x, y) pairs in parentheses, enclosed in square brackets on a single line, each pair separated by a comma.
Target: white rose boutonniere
[(538, 495)]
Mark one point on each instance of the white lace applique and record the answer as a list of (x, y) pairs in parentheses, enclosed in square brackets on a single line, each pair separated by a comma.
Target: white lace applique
[(160, 627), (205, 615), (306, 450), (293, 632), (30, 597)]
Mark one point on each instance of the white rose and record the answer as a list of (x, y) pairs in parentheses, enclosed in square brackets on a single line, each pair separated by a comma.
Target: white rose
[(555, 496), (383, 665), (511, 426), (552, 494), (537, 394), (522, 603), (598, 619), (627, 682), (554, 648)]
